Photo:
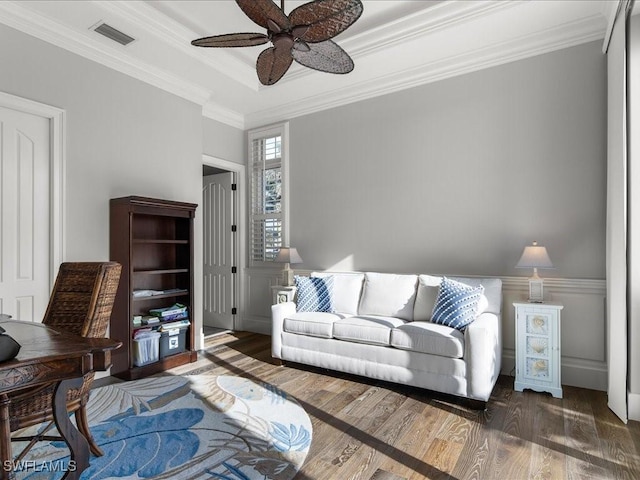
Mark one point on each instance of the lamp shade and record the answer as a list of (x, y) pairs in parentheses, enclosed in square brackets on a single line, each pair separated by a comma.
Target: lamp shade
[(534, 256), (288, 255)]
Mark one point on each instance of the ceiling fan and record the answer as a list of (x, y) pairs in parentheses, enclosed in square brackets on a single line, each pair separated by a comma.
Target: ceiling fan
[(303, 35)]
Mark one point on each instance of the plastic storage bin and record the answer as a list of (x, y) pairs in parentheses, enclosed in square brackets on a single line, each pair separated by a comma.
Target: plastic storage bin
[(146, 349), (173, 341)]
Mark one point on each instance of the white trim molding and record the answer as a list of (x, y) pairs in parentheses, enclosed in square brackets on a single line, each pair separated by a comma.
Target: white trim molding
[(241, 221), (634, 406), (31, 22)]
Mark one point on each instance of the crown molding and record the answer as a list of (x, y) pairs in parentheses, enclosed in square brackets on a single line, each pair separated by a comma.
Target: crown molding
[(174, 34), (38, 26), (438, 17), (526, 46), (442, 16), (219, 113)]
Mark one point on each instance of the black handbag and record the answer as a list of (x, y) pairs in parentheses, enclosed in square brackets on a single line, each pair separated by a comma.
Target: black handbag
[(9, 348)]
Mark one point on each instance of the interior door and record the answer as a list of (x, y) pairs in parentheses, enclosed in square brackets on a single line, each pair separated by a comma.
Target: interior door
[(24, 214), (219, 250), (617, 224)]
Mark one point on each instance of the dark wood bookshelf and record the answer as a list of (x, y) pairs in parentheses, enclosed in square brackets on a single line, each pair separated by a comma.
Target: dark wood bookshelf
[(153, 240)]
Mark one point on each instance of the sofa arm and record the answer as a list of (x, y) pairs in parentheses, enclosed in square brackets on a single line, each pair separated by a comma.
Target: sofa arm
[(278, 313), (483, 355)]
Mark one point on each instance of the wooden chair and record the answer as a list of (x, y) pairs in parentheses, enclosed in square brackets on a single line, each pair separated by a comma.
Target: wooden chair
[(80, 303)]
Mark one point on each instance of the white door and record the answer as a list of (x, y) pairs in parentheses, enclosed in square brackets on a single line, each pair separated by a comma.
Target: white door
[(617, 225), (24, 214), (219, 250)]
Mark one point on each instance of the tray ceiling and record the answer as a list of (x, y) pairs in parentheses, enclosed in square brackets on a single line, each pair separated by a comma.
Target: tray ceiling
[(395, 45)]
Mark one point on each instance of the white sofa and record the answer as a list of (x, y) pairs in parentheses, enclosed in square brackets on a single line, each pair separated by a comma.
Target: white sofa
[(380, 327)]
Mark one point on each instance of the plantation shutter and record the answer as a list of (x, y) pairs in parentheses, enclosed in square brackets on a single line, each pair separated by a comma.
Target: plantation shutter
[(266, 198)]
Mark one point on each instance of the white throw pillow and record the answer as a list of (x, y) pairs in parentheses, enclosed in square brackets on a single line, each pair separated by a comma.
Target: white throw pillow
[(347, 288), (389, 295), (428, 286)]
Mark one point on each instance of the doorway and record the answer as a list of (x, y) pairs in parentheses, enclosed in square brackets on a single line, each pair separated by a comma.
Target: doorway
[(222, 245)]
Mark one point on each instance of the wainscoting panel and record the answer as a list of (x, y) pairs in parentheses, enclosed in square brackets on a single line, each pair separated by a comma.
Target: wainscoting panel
[(258, 299), (583, 337)]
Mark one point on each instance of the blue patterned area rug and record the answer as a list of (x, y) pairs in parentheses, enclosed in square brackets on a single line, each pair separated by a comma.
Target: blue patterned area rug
[(189, 427)]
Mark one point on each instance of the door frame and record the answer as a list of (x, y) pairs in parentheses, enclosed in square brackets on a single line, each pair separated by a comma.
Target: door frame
[(57, 164), (241, 236)]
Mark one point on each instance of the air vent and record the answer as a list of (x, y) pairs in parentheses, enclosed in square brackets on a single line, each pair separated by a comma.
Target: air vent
[(113, 34)]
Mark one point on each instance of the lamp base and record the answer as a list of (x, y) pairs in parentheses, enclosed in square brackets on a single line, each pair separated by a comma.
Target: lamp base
[(287, 277), (535, 290)]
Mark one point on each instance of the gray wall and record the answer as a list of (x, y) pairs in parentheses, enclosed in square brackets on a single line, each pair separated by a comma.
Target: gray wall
[(458, 176), (124, 137), (222, 141)]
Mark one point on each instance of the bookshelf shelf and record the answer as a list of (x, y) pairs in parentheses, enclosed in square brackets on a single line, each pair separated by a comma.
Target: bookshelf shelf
[(162, 271), (146, 298), (160, 241)]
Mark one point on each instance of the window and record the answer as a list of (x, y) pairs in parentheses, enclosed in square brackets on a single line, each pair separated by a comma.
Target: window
[(268, 176)]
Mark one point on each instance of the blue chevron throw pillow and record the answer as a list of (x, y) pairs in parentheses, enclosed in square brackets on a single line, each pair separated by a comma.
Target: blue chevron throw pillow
[(457, 304), (314, 294)]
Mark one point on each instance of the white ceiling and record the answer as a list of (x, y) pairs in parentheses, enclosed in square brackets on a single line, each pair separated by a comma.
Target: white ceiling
[(395, 45)]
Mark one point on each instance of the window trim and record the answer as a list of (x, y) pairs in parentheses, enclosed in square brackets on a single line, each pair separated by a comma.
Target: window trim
[(282, 130)]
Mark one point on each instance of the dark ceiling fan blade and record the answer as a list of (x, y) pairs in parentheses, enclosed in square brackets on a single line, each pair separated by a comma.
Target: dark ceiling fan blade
[(301, 45), (325, 56), (272, 64), (232, 40), (261, 11), (326, 18)]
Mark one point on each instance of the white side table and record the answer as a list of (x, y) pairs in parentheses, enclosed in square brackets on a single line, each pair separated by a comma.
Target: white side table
[(538, 347), (282, 293)]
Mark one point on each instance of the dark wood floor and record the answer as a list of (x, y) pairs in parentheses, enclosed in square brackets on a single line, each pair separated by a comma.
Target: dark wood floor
[(364, 429)]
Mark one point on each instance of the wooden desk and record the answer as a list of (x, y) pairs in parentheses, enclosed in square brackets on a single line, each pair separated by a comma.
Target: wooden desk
[(49, 356)]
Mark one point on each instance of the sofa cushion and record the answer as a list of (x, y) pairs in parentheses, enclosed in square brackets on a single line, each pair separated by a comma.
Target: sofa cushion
[(389, 295), (428, 286), (315, 324), (428, 337), (314, 294), (457, 304), (347, 288), (375, 330)]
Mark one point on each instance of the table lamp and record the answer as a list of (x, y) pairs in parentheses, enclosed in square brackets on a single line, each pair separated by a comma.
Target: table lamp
[(287, 255), (535, 256)]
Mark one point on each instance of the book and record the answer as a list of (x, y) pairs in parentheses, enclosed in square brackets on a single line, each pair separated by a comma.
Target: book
[(150, 320), (174, 290), (171, 325), (176, 316), (176, 308), (151, 293), (146, 293)]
